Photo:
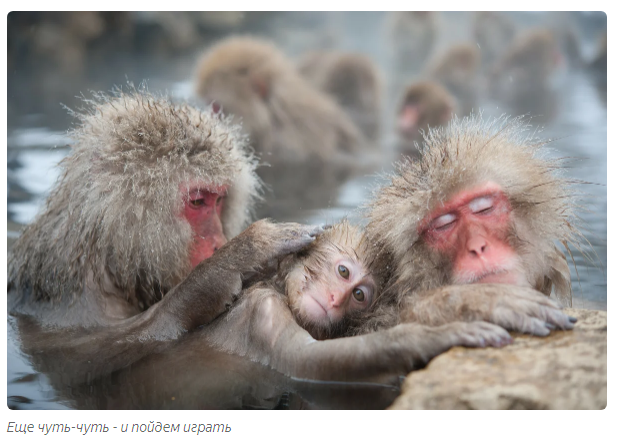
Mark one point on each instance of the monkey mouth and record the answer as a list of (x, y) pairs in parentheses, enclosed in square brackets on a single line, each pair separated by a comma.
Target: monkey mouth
[(499, 276), (313, 308)]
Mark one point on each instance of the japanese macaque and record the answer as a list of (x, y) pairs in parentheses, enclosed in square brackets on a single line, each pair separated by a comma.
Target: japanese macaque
[(480, 213), (286, 117), (493, 32), (323, 292), (425, 105), (150, 191), (529, 62), (353, 81), (456, 68), (412, 36)]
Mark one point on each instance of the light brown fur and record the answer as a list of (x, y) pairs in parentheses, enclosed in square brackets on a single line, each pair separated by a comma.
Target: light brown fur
[(111, 220), (467, 153), (286, 118), (312, 265), (437, 107), (532, 58), (353, 80), (456, 68)]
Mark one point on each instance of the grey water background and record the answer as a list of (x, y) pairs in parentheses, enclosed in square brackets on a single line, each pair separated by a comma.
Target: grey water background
[(574, 114)]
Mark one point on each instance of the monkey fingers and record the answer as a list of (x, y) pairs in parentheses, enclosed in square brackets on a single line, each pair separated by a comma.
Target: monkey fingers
[(264, 242), (293, 237), (479, 334), (530, 318)]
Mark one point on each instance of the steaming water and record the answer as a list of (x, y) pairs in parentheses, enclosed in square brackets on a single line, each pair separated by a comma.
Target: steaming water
[(575, 115)]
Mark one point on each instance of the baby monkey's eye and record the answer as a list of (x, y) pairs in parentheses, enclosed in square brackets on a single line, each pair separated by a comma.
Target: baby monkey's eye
[(343, 271), (358, 295), (219, 200), (197, 202)]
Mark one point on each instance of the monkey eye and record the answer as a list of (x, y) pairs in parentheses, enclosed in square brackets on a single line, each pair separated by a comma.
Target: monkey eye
[(197, 202), (219, 200), (358, 295), (481, 205), (343, 271), (443, 222)]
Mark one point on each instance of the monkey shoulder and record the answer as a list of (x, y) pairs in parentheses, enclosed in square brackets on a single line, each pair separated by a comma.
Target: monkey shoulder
[(265, 299)]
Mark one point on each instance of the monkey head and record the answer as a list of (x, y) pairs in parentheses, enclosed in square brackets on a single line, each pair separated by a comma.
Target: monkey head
[(425, 104), (331, 282), (480, 206), (286, 117), (238, 76), (148, 191), (534, 55)]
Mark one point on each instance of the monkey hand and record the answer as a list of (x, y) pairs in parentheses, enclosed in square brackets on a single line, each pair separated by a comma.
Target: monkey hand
[(515, 308), (264, 242), (425, 342)]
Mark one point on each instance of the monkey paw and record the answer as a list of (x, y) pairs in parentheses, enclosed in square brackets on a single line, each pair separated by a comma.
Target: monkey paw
[(293, 237), (265, 241), (528, 311), (479, 334)]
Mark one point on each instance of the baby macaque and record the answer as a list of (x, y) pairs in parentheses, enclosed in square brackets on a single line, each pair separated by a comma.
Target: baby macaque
[(480, 213), (412, 36), (456, 69), (330, 284), (425, 105), (352, 80), (286, 118), (494, 32), (324, 292)]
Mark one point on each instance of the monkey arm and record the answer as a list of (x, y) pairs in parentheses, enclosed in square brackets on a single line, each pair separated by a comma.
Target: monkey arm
[(516, 308), (261, 328), (116, 340)]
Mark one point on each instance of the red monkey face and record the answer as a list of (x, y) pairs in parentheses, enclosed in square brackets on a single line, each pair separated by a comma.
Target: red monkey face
[(472, 230), (203, 210), (346, 287)]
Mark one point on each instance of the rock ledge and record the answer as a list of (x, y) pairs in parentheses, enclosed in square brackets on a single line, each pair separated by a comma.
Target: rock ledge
[(566, 370)]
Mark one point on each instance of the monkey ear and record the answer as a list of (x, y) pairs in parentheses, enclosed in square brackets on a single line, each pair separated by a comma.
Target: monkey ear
[(260, 86)]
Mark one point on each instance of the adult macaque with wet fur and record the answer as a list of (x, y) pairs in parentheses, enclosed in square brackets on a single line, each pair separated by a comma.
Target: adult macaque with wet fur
[(480, 213), (130, 250), (352, 80), (286, 117), (425, 105), (327, 291)]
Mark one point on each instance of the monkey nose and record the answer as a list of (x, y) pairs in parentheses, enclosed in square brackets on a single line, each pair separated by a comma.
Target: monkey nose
[(477, 246), (334, 299)]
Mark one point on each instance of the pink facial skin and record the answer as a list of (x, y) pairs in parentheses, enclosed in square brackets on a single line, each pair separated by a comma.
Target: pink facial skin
[(203, 211), (328, 301), (471, 229), (409, 118)]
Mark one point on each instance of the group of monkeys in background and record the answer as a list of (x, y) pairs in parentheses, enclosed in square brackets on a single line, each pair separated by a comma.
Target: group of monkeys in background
[(290, 111), (140, 245)]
